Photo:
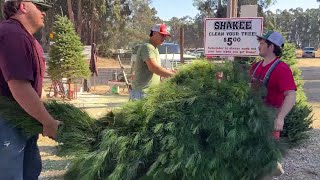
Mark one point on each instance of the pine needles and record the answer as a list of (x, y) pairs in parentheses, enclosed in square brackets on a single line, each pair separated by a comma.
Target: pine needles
[(189, 127), (76, 135)]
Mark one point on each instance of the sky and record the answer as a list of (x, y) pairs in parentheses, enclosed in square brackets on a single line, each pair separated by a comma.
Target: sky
[(180, 8)]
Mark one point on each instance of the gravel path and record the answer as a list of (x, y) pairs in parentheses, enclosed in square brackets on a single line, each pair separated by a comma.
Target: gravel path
[(303, 162)]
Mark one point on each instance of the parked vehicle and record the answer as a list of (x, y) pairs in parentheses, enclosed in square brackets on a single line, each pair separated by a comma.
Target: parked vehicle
[(199, 53), (170, 55), (309, 52)]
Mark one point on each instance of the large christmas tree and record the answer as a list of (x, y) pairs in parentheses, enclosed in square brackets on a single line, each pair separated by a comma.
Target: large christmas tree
[(66, 54), (190, 127)]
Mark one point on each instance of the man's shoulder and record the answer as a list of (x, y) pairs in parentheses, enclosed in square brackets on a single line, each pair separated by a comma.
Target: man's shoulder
[(147, 46), (282, 67), (283, 64), (146, 49), (255, 65), (9, 28)]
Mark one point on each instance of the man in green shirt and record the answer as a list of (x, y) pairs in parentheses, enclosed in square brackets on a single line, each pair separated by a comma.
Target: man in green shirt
[(147, 68)]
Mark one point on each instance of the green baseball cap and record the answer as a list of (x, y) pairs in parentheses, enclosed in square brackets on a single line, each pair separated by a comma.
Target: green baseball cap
[(44, 6)]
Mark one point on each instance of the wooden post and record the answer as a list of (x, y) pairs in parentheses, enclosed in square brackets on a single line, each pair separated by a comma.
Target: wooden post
[(235, 8), (232, 8), (92, 21), (229, 7), (232, 12), (70, 11), (181, 45)]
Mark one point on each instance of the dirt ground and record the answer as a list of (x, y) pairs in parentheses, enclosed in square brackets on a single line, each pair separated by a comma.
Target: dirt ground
[(96, 103), (109, 63), (311, 75), (54, 166)]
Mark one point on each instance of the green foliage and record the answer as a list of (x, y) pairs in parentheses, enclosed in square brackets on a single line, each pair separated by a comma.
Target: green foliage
[(78, 131), (302, 26), (299, 120), (104, 51), (125, 23), (189, 127), (76, 135), (1, 10), (208, 7), (10, 110), (66, 55)]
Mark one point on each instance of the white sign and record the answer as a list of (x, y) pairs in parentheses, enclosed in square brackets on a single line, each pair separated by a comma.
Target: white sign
[(232, 36), (87, 52), (249, 11)]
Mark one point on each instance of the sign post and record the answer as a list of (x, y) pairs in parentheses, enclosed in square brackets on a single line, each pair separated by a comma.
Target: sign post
[(232, 36), (51, 35)]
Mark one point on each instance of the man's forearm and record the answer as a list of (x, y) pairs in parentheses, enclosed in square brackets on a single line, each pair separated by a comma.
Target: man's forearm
[(157, 69), (29, 100), (288, 103), (161, 71)]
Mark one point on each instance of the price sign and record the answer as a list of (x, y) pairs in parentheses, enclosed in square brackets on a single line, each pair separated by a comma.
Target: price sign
[(232, 36), (230, 40)]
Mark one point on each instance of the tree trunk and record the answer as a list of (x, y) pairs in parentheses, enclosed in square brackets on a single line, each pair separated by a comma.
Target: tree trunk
[(220, 10), (79, 18), (70, 11), (86, 83), (92, 22)]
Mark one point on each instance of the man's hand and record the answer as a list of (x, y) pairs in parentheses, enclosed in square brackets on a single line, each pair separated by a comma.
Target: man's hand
[(288, 103), (50, 128), (173, 71), (278, 124), (157, 69), (29, 100)]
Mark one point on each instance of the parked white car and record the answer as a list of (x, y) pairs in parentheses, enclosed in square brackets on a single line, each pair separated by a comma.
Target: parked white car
[(309, 52), (199, 53), (170, 55)]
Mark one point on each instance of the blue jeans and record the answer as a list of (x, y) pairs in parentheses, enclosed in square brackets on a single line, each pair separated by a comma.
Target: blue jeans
[(19, 156), (136, 95)]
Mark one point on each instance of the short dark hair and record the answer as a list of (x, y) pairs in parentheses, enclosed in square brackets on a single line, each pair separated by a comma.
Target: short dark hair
[(10, 8), (277, 50)]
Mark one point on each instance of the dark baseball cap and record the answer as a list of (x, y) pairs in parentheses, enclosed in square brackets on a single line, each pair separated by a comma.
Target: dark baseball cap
[(42, 3)]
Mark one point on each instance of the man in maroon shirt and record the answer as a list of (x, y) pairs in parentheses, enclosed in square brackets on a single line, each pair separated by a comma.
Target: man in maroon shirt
[(22, 70), (277, 78)]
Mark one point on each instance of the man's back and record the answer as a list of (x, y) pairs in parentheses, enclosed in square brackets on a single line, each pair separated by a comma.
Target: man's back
[(143, 76), (21, 57), (7, 27)]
